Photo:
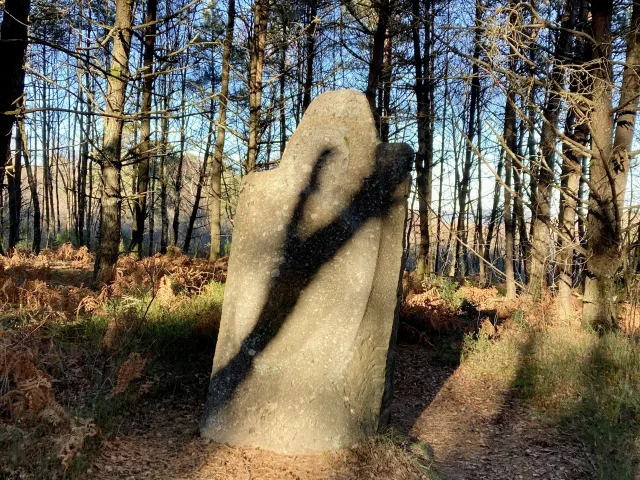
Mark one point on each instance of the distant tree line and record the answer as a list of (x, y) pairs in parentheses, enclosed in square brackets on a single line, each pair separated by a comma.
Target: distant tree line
[(144, 115)]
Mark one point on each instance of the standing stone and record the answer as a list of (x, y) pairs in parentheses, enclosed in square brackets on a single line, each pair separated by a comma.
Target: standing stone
[(305, 352)]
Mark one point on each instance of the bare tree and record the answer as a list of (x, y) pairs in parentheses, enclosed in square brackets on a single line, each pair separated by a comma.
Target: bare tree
[(256, 66), (465, 182), (215, 195), (424, 86), (142, 183), (110, 162), (13, 47), (609, 162), (545, 177)]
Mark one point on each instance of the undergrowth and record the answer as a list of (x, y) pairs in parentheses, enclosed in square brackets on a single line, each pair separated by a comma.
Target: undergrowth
[(76, 364)]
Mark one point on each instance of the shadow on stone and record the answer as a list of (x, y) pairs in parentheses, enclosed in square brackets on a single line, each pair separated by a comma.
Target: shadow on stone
[(303, 258)]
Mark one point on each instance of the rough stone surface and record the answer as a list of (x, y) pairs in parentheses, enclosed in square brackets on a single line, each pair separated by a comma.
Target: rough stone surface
[(305, 351)]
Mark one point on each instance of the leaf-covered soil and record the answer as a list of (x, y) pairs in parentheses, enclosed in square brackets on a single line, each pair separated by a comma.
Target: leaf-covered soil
[(471, 430)]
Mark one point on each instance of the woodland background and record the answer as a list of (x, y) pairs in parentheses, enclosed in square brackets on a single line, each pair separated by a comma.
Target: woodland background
[(134, 122), (126, 127)]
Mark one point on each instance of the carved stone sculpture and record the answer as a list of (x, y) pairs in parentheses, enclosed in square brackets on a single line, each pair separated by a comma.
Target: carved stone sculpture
[(305, 351)]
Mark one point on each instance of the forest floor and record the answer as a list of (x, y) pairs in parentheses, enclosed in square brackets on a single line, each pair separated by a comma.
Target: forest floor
[(110, 383)]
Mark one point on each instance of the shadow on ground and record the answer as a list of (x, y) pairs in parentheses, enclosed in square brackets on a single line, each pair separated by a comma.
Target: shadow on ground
[(588, 385), (558, 402)]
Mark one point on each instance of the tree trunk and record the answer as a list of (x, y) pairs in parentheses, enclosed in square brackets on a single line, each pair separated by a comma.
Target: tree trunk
[(218, 151), (111, 166), (84, 203), (142, 177), (463, 191), (178, 183), (13, 47), (493, 218), (542, 206), (421, 118), (312, 26), (46, 225), (571, 170), (152, 201), (164, 213), (482, 276), (164, 152), (518, 208), (424, 115), (577, 132), (82, 178), (376, 64), (609, 163), (256, 65), (509, 227), (511, 146), (215, 208), (201, 180), (451, 250), (56, 189), (33, 187), (89, 204), (437, 266), (72, 182), (14, 182)]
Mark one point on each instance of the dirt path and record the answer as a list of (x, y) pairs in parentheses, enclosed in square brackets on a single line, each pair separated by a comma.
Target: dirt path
[(475, 430)]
